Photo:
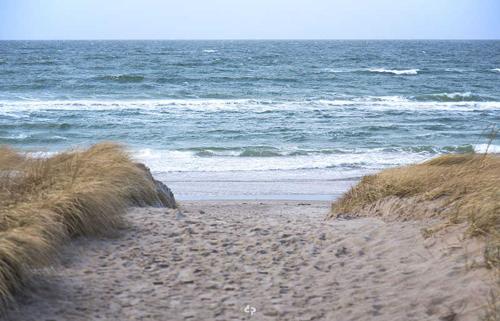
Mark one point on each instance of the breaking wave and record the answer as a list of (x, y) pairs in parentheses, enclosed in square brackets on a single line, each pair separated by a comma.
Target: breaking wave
[(252, 158), (395, 71), (444, 101), (451, 97)]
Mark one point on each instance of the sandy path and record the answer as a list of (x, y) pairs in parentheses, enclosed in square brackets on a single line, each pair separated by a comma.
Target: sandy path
[(279, 257)]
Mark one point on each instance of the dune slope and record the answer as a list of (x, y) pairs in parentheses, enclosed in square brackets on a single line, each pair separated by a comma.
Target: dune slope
[(45, 201)]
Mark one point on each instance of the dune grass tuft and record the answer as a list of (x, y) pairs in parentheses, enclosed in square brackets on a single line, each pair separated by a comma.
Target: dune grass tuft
[(464, 188), (45, 201)]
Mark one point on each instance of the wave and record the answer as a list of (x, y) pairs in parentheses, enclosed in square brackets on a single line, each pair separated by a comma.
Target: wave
[(432, 150), (214, 159), (122, 78), (414, 71), (188, 161), (231, 159), (225, 159), (414, 103), (449, 102), (268, 151), (395, 71), (27, 139), (258, 151), (209, 50), (451, 97)]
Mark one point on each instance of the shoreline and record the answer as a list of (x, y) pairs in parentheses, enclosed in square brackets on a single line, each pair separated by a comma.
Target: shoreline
[(280, 257), (257, 198), (264, 185)]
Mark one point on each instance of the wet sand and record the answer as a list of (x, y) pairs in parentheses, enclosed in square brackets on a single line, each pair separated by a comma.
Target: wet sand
[(279, 259)]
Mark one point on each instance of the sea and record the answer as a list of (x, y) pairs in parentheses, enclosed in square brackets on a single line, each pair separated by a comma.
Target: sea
[(250, 119)]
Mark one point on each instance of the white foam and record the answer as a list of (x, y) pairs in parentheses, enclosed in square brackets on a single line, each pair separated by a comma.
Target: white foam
[(187, 161), (455, 95), (41, 154), (496, 69), (146, 104), (402, 103), (395, 71), (16, 108), (458, 95), (483, 148), (209, 50)]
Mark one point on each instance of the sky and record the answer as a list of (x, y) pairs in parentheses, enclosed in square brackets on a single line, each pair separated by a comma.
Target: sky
[(249, 19)]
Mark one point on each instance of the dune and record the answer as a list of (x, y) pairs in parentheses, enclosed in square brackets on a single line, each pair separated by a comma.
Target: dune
[(461, 192), (46, 201)]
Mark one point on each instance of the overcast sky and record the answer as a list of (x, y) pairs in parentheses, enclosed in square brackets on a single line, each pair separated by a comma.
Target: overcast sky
[(249, 19)]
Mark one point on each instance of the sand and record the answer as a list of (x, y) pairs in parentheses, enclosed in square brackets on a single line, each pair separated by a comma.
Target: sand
[(279, 259)]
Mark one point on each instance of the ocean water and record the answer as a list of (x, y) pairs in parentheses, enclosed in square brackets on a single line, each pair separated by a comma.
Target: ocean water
[(253, 119)]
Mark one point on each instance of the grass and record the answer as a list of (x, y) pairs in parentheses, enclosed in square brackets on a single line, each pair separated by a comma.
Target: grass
[(464, 188), (46, 201), (461, 188)]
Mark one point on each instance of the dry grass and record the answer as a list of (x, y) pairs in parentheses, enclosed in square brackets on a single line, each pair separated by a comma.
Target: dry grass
[(461, 188), (465, 188), (43, 202)]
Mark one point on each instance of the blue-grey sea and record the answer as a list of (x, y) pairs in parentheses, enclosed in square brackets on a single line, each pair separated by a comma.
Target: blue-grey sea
[(253, 119)]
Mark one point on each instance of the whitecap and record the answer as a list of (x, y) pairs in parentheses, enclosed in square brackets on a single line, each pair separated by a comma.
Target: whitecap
[(496, 69), (209, 50), (455, 95), (395, 71)]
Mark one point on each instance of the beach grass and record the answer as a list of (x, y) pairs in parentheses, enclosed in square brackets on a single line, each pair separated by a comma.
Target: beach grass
[(46, 201), (460, 188)]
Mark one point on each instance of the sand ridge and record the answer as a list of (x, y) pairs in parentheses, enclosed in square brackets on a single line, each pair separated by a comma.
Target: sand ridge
[(221, 260)]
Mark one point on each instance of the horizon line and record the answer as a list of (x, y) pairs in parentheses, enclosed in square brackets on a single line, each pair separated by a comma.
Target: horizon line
[(252, 39)]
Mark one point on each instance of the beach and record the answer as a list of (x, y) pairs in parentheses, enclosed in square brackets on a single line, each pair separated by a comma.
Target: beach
[(249, 180), (209, 260)]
